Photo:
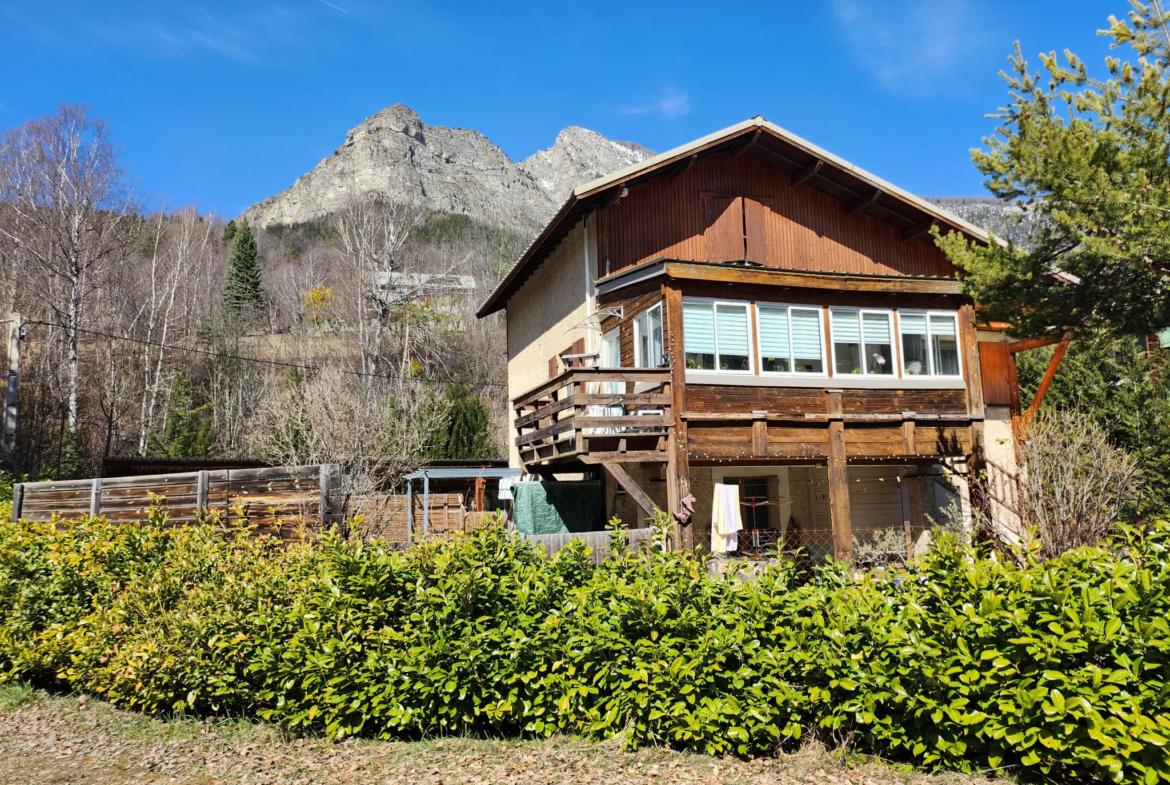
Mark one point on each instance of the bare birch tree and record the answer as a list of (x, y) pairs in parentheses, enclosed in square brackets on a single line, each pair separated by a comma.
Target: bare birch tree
[(60, 177)]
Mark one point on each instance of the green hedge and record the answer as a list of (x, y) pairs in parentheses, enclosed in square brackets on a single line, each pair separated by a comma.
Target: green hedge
[(965, 661)]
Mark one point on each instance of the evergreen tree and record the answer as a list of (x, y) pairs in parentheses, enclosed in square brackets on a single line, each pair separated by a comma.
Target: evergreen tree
[(188, 430), (467, 434), (1089, 156), (229, 232), (242, 291)]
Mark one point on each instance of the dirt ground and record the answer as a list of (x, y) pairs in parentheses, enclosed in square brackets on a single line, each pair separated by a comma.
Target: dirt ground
[(67, 739)]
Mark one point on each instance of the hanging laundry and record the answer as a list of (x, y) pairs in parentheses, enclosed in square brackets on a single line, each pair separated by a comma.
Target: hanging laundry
[(726, 522)]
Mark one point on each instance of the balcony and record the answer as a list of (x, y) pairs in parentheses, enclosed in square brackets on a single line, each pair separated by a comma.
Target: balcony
[(596, 415)]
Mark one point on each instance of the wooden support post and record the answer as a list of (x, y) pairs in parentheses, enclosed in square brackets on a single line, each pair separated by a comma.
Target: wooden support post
[(1049, 374), (906, 522), (202, 493), (839, 508), (678, 463), (325, 503), (12, 392), (627, 482), (479, 489), (909, 438), (95, 498), (17, 500)]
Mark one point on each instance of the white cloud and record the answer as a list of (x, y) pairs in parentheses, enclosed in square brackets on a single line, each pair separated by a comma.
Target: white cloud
[(909, 46), (672, 105)]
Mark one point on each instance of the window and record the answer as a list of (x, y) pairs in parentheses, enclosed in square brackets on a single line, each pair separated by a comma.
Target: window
[(862, 342), (930, 345), (790, 339), (716, 336), (648, 338)]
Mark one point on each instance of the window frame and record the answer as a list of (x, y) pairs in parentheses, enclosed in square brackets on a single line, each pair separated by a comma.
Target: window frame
[(926, 313), (635, 320), (753, 345), (895, 347), (820, 310)]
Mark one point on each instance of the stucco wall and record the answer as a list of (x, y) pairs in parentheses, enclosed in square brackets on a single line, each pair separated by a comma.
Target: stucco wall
[(544, 314)]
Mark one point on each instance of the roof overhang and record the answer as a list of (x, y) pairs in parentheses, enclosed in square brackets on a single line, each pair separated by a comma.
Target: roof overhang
[(801, 160)]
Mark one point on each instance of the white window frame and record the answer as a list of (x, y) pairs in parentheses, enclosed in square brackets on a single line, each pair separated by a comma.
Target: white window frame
[(954, 315), (824, 373), (645, 315), (748, 313), (895, 348)]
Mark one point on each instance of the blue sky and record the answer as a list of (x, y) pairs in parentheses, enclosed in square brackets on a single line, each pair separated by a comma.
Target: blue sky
[(221, 104)]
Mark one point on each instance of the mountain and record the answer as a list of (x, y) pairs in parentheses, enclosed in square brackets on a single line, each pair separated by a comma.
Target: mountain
[(1003, 219), (456, 170), (459, 170)]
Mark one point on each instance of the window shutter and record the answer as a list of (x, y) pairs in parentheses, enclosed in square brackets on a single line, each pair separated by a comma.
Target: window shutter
[(845, 327), (698, 328), (995, 370), (755, 224), (912, 323), (725, 230), (773, 331), (806, 334), (942, 326), (733, 329), (876, 327)]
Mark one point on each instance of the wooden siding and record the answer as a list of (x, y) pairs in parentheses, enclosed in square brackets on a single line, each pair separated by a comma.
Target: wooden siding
[(804, 228), (994, 365), (719, 441), (632, 301), (717, 399)]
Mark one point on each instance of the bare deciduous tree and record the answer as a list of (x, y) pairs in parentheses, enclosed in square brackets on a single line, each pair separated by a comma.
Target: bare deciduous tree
[(60, 177)]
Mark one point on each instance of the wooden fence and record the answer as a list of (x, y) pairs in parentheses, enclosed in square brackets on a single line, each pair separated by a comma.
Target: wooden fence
[(293, 496)]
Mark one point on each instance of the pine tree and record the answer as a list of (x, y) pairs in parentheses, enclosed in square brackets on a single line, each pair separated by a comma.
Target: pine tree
[(188, 430), (229, 232), (1088, 157), (467, 435), (242, 291)]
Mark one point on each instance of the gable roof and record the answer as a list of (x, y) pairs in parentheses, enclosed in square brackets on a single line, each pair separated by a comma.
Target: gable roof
[(803, 161)]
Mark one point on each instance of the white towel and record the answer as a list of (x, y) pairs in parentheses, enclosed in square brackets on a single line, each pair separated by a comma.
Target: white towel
[(726, 520)]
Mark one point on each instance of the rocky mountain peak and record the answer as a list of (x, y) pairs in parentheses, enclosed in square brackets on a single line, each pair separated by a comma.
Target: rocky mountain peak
[(578, 156)]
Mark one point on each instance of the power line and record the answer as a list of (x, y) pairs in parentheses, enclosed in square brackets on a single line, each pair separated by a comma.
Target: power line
[(280, 363)]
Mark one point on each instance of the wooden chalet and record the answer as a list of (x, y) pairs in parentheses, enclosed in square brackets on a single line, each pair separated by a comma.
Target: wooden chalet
[(751, 309)]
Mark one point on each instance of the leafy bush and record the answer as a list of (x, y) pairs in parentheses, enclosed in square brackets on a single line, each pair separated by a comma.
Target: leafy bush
[(962, 660)]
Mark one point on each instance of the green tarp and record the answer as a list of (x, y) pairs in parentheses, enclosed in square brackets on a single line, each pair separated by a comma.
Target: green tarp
[(558, 507)]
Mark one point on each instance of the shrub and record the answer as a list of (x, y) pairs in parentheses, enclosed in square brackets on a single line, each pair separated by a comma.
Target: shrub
[(962, 660)]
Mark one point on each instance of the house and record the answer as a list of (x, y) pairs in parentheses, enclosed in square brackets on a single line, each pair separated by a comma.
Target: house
[(751, 310)]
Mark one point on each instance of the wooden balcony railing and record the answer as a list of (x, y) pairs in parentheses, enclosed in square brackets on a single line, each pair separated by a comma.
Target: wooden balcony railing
[(596, 415)]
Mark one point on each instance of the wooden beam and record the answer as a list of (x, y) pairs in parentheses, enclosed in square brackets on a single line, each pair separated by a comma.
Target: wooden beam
[(1015, 347), (678, 462), (637, 456), (631, 487), (613, 196), (699, 271), (805, 174), (1049, 374), (859, 204), (914, 232), (744, 144), (683, 168), (95, 498)]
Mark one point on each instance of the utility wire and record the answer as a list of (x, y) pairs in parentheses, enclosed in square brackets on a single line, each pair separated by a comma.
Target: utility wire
[(224, 356)]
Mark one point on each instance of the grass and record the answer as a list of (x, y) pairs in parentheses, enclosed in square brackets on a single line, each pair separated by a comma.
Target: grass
[(55, 738)]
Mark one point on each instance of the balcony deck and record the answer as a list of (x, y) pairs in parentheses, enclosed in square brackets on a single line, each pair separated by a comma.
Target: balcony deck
[(596, 415)]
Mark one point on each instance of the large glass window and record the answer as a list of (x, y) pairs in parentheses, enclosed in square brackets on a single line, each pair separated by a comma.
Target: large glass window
[(930, 345), (648, 338), (863, 342), (790, 339), (716, 336)]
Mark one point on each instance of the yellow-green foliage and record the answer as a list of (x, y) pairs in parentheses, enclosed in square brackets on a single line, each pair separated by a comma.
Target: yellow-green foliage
[(964, 661)]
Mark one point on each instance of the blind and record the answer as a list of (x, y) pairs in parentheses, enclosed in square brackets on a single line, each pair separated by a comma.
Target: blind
[(773, 331), (806, 334), (733, 329), (845, 327), (912, 323), (876, 327), (698, 328), (942, 326)]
